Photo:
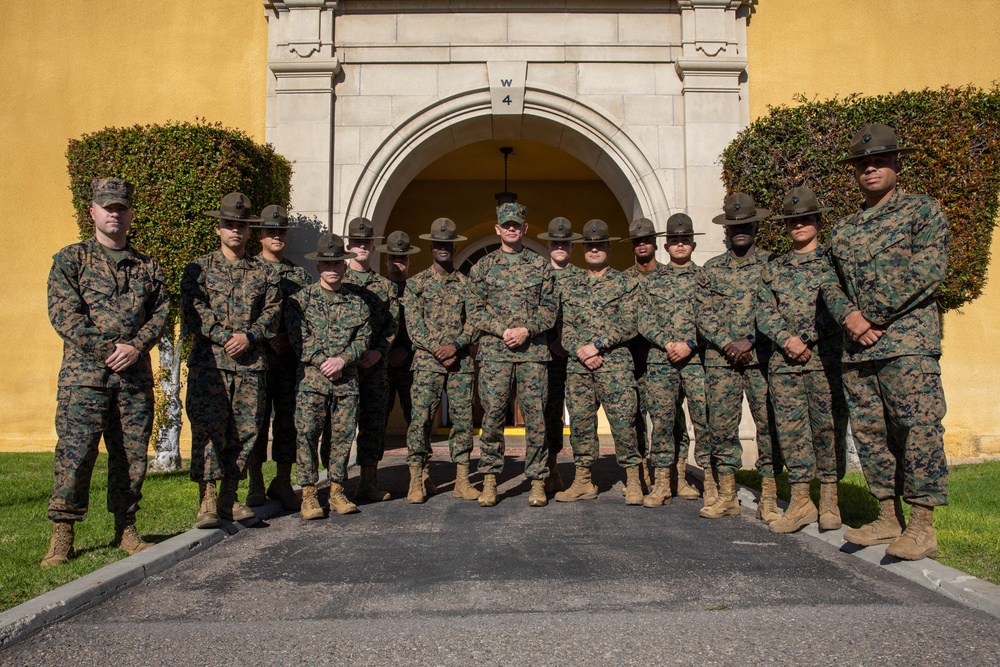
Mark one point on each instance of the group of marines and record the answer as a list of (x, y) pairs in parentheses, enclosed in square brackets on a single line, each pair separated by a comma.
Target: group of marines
[(809, 337)]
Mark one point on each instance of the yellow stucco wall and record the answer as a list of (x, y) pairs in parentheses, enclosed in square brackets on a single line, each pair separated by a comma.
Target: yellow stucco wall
[(850, 46), (76, 66)]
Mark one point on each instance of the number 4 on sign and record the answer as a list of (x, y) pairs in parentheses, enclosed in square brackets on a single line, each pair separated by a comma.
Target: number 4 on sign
[(507, 100)]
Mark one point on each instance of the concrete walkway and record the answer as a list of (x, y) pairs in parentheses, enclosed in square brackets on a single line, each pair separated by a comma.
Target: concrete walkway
[(450, 583)]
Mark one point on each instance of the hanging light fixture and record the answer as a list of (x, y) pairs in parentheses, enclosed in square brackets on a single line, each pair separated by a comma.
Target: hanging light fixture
[(505, 197)]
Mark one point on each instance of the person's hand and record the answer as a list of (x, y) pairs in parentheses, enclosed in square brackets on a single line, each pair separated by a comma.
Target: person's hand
[(744, 358), (370, 359), (796, 349), (678, 352), (124, 356), (871, 336), (587, 352), (515, 337), (450, 361), (397, 357), (332, 368), (280, 343), (236, 345), (856, 325), (736, 349), (593, 363), (445, 352)]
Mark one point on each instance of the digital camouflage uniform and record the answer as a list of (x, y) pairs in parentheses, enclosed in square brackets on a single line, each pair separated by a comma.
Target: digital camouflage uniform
[(225, 397), (667, 310), (810, 409), (322, 325), (505, 292), (94, 303), (555, 401), (726, 311), (379, 294), (890, 260), (601, 308), (400, 378), (279, 391), (436, 315)]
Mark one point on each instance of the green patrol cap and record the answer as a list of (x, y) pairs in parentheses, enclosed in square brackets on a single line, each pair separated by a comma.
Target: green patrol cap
[(740, 208), (872, 140), (681, 224), (398, 243), (361, 229), (511, 212), (801, 201), (443, 230), (596, 231), (109, 191), (330, 248), (235, 206), (560, 229)]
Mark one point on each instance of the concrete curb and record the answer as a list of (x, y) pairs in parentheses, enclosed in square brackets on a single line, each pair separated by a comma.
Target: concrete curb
[(92, 589)]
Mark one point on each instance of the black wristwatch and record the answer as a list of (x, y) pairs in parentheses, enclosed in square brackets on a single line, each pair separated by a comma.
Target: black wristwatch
[(456, 345), (751, 338), (693, 345), (250, 337), (804, 338), (599, 344)]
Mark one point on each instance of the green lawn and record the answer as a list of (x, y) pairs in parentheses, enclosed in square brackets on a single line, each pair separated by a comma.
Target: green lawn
[(968, 529)]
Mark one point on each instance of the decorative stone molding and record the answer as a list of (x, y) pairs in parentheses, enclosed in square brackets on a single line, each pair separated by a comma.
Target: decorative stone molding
[(301, 45)]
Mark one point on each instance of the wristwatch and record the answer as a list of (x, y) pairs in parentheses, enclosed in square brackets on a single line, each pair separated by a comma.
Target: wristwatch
[(250, 337), (599, 344), (693, 345), (751, 338), (804, 338)]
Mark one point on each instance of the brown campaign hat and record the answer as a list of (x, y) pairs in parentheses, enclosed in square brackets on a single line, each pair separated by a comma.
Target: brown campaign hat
[(681, 224), (274, 217), (443, 230), (361, 229), (740, 208), (560, 229), (109, 191), (641, 228), (398, 243), (235, 206), (596, 231), (330, 248), (872, 140), (801, 201)]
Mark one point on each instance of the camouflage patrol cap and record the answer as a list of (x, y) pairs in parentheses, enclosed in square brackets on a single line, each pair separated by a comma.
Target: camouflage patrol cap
[(740, 209), (274, 217), (109, 191), (681, 224), (641, 228), (511, 212), (235, 206), (361, 229), (398, 243), (596, 231), (443, 230), (330, 248), (799, 202), (873, 139), (560, 229)]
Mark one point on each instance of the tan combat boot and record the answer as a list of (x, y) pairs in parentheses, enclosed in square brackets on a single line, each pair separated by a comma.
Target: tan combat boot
[(430, 488), (310, 508), (633, 484), (367, 488), (127, 538), (554, 482), (727, 503), (537, 497), (280, 488), (581, 488), (919, 540), (208, 511), (711, 493), (767, 506), (415, 495), (800, 513), (829, 510), (659, 495), (255, 485), (883, 530), (464, 488), (61, 545), (684, 490), (645, 481), (229, 506), (488, 498), (339, 502)]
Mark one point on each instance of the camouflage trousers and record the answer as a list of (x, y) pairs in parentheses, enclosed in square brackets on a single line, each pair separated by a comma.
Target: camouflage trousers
[(226, 411), (554, 404), (724, 390), (373, 413), (427, 389), (616, 392), (124, 416), (399, 383), (810, 416), (496, 378), (279, 403), (896, 410), (318, 416), (693, 391), (663, 388), (642, 433)]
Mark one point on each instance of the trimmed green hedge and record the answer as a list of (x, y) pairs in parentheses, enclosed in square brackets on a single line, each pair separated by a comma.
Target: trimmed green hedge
[(956, 129), (179, 171)]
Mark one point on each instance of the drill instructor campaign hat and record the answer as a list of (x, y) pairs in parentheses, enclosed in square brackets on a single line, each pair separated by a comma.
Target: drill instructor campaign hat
[(873, 139), (596, 231), (443, 230), (799, 202), (274, 217), (681, 224), (398, 243), (235, 206), (641, 228), (740, 208), (560, 229), (361, 229), (330, 248)]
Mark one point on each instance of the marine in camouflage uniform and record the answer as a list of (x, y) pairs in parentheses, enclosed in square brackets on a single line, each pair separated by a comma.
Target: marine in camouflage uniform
[(890, 257), (380, 295), (599, 318), (397, 251), (735, 359), (327, 325), (559, 237), (109, 305), (804, 377), (282, 365), (231, 304), (512, 301), (442, 335)]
